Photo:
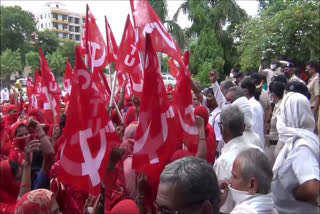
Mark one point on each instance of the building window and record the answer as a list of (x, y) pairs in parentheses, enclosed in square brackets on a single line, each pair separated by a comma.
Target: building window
[(64, 17), (55, 25), (71, 28), (77, 29), (48, 15), (49, 24), (41, 25), (76, 20), (65, 35), (83, 20), (65, 27), (57, 34), (70, 19), (57, 6), (70, 36), (41, 16), (77, 37), (55, 15)]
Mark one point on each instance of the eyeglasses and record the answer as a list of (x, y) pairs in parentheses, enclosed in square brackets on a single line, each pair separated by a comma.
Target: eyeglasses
[(163, 210)]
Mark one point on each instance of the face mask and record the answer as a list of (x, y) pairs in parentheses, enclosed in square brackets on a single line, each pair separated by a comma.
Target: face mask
[(231, 75), (273, 66), (20, 142), (239, 196)]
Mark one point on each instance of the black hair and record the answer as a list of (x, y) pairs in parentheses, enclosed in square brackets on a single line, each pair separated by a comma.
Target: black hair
[(63, 118), (277, 88), (314, 64), (299, 87), (19, 126), (210, 91), (249, 84), (280, 78)]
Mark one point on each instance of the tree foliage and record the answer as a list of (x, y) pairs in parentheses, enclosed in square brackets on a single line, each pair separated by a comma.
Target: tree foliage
[(47, 41), (67, 50), (16, 27), (10, 62), (292, 33), (56, 62), (33, 60)]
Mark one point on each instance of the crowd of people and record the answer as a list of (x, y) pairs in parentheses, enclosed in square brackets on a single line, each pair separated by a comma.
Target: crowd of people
[(257, 152)]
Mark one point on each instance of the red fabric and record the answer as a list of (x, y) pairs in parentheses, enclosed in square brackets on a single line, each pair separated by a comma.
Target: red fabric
[(182, 104), (125, 207), (30, 88), (51, 91), (95, 45), (181, 153), (101, 83), (35, 201), (129, 60), (156, 137), (112, 48), (38, 114), (67, 80), (202, 112), (146, 20), (69, 200), (9, 189), (12, 98), (89, 134), (173, 68), (130, 115), (37, 97), (5, 143)]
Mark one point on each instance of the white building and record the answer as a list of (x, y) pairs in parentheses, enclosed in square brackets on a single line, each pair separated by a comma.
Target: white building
[(66, 24)]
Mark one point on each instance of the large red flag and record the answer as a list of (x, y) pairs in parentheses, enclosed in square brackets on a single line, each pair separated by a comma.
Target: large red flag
[(147, 21), (51, 91), (68, 73), (129, 58), (89, 134), (156, 135), (112, 53), (83, 42), (95, 45), (182, 104)]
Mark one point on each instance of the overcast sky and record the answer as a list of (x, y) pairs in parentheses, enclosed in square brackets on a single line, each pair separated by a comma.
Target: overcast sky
[(116, 11)]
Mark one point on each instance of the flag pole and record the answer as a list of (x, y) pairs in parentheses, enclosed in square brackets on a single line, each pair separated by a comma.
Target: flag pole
[(52, 109), (113, 87)]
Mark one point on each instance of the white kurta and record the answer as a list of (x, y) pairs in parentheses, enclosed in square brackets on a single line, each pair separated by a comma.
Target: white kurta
[(257, 118)]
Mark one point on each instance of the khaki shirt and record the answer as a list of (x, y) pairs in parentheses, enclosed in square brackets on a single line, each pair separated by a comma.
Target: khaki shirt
[(314, 88)]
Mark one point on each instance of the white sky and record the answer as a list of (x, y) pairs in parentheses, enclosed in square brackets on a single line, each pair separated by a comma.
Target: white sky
[(116, 11)]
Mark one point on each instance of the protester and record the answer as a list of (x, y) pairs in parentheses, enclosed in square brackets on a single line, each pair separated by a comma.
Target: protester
[(257, 110), (250, 184), (289, 72), (232, 127), (295, 185), (4, 95), (188, 185)]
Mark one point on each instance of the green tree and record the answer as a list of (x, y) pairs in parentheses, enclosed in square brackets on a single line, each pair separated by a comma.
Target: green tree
[(16, 27), (33, 60), (57, 63), (47, 41), (160, 7), (10, 62), (293, 32), (214, 19), (67, 50)]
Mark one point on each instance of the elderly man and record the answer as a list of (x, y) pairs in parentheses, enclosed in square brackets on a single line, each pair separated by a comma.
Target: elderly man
[(232, 127), (236, 96), (188, 185), (250, 184)]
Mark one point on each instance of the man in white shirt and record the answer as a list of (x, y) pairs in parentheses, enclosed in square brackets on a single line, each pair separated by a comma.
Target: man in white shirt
[(4, 95), (250, 184), (249, 88), (232, 126)]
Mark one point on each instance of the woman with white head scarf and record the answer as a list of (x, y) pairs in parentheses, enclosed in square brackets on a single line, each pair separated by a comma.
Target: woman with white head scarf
[(295, 184)]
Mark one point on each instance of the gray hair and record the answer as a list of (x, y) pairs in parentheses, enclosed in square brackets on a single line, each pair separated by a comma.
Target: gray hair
[(232, 119), (254, 163), (236, 92), (195, 178), (225, 85)]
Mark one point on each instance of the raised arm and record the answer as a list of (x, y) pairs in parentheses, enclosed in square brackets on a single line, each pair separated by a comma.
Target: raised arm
[(216, 89)]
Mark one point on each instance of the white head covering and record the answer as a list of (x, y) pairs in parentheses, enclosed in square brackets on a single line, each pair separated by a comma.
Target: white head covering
[(244, 105), (296, 121)]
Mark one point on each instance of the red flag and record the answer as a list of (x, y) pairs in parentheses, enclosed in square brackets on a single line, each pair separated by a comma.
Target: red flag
[(112, 47), (129, 58), (100, 82), (83, 41), (147, 21), (96, 47), (30, 87), (182, 104), (68, 73), (173, 68), (155, 137), (51, 91), (36, 98), (89, 134)]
